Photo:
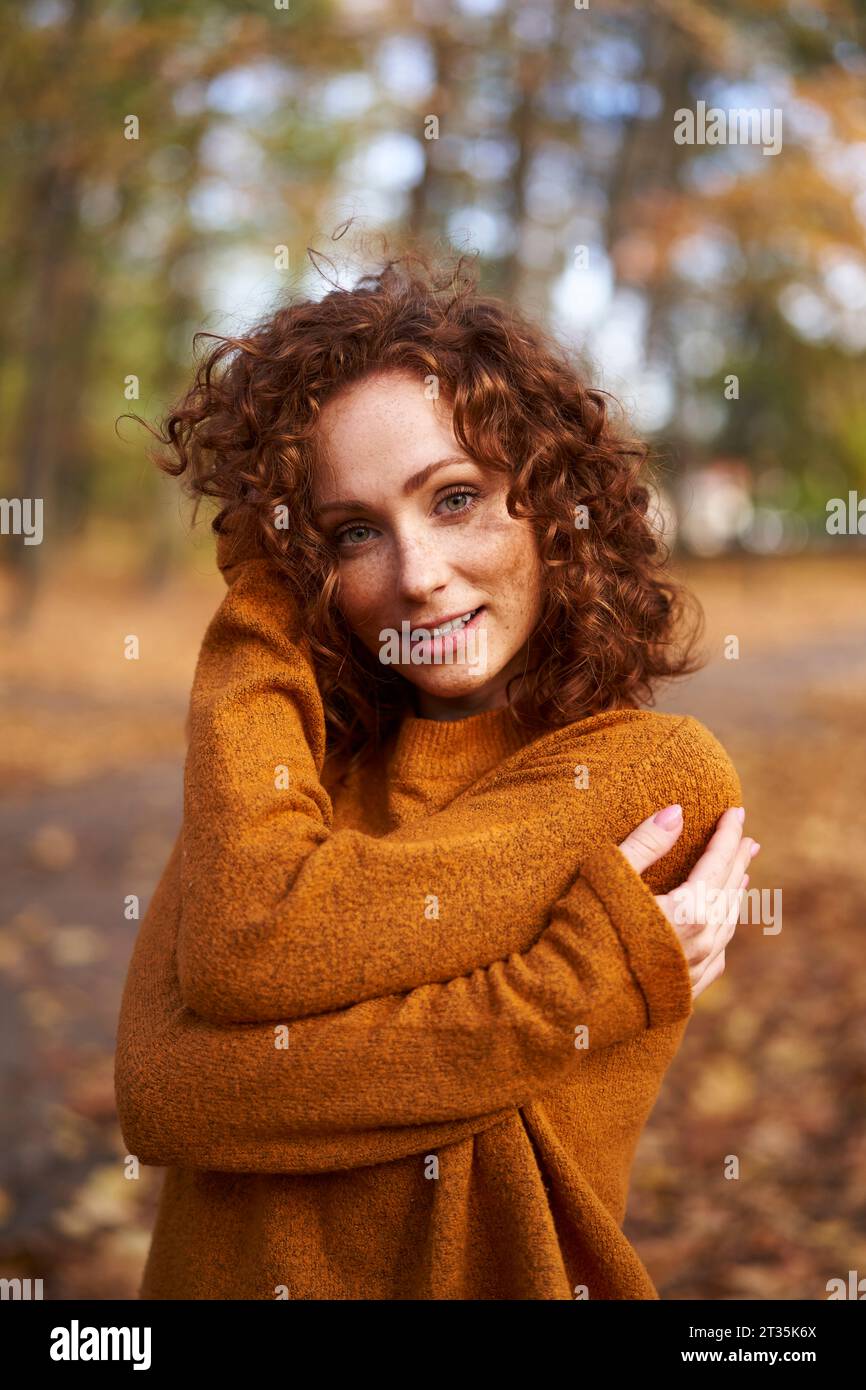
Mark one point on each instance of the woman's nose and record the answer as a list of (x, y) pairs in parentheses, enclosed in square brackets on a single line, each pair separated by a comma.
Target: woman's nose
[(421, 567)]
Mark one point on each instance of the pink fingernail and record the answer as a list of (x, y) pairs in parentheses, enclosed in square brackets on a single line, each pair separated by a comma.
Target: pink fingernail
[(755, 849), (741, 813), (669, 817)]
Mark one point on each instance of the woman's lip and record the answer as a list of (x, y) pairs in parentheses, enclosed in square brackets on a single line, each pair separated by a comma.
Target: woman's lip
[(440, 622), (455, 632)]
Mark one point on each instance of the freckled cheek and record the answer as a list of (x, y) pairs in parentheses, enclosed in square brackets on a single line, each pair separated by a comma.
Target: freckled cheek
[(508, 551), (493, 545), (514, 568), (361, 595)]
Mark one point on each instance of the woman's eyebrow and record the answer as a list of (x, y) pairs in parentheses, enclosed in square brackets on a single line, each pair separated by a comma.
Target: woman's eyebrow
[(412, 484)]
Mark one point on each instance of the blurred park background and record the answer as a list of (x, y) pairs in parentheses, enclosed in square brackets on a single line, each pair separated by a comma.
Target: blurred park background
[(166, 169)]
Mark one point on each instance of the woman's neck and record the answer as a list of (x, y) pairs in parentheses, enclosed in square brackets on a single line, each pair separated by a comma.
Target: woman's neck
[(423, 705)]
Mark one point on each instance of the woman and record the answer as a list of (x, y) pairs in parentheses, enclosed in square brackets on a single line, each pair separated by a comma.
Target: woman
[(402, 1001)]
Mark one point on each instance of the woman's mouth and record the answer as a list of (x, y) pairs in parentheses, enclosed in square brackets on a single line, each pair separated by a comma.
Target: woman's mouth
[(447, 634)]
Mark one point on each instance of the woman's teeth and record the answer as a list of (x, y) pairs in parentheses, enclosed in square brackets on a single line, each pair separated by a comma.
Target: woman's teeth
[(453, 625)]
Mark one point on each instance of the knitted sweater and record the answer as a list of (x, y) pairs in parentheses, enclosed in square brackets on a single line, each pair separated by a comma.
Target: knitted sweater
[(397, 1037)]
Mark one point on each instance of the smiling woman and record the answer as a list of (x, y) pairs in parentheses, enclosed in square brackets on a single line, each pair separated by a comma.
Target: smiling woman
[(353, 398), (404, 996)]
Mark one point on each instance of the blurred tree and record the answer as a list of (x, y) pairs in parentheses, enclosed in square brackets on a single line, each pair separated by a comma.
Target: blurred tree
[(556, 125)]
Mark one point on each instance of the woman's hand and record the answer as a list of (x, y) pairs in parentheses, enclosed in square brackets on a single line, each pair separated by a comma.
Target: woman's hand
[(703, 917)]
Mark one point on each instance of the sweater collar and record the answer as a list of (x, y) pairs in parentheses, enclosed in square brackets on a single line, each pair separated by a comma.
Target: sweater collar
[(453, 749)]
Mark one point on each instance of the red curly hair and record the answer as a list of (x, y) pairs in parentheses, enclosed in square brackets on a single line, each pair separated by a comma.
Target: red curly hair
[(246, 433)]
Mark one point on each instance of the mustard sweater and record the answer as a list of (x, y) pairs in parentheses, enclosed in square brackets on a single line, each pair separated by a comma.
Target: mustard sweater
[(397, 1039)]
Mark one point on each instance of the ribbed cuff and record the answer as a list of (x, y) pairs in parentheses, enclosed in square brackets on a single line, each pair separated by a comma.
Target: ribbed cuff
[(652, 947)]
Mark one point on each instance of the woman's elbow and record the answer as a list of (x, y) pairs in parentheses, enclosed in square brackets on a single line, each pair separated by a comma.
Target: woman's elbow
[(210, 996), (232, 999), (138, 1101)]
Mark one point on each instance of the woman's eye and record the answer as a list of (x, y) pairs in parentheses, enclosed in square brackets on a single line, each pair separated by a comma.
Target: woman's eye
[(342, 535), (462, 493)]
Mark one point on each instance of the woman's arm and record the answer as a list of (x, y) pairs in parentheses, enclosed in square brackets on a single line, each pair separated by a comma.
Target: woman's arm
[(196, 1095), (281, 916), (399, 1074)]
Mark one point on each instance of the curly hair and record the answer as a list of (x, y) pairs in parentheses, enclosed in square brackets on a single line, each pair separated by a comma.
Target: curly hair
[(245, 432)]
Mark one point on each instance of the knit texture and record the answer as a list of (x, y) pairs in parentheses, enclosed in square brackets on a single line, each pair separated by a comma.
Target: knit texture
[(396, 1036)]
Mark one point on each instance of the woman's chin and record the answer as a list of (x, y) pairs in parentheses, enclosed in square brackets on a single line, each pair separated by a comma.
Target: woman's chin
[(447, 684)]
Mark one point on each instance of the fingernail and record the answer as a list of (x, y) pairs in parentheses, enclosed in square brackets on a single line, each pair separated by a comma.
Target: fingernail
[(745, 882), (755, 848), (741, 812), (669, 817)]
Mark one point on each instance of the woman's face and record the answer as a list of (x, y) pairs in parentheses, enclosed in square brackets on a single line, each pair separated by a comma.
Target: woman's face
[(419, 550)]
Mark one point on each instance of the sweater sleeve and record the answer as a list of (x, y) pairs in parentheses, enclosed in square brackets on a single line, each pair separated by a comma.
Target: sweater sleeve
[(398, 1074), (283, 917)]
